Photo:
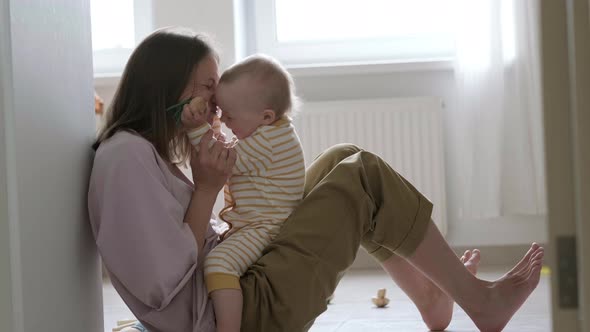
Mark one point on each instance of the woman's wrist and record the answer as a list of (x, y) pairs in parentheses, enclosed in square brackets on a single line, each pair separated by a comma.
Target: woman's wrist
[(204, 192)]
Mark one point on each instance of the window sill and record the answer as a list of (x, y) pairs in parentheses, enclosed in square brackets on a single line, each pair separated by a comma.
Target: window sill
[(373, 67), (104, 80), (332, 69)]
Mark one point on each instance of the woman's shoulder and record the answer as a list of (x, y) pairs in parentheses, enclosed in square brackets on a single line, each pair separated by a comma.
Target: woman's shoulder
[(126, 147), (125, 142), (125, 153)]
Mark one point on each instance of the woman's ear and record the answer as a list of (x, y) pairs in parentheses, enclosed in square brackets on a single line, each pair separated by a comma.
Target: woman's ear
[(268, 117)]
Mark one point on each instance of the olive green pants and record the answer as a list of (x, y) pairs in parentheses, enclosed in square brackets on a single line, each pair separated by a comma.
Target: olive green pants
[(352, 198)]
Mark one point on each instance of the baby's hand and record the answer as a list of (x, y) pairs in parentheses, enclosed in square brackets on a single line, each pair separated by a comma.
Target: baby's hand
[(231, 143), (221, 137), (194, 114)]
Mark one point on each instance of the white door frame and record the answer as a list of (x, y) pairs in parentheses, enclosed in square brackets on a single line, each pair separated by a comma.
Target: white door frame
[(6, 289), (565, 34), (49, 267), (579, 55)]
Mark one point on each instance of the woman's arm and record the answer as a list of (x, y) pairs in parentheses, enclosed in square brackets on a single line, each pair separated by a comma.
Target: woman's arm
[(211, 168), (198, 214)]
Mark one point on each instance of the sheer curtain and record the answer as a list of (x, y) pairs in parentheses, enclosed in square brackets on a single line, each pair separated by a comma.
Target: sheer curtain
[(498, 140)]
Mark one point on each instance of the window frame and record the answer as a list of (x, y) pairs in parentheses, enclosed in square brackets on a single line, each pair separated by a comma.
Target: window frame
[(263, 36), (111, 62)]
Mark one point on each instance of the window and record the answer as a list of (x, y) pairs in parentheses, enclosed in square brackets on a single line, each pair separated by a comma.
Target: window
[(300, 32), (117, 27)]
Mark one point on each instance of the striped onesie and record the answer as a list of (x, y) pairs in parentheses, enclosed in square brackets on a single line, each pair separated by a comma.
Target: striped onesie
[(265, 186)]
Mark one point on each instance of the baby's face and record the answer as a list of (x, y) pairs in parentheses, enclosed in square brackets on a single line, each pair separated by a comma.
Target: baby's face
[(240, 111)]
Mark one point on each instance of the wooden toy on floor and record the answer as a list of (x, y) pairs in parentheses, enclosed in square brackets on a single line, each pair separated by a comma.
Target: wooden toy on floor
[(381, 301)]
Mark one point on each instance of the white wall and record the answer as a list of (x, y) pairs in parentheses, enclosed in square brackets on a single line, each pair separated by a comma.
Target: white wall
[(218, 17), (49, 268), (213, 17)]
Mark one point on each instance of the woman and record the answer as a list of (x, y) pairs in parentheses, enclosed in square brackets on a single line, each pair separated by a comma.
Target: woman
[(152, 226)]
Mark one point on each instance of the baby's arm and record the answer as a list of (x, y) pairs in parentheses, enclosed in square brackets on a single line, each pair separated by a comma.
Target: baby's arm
[(287, 156), (254, 155), (195, 135), (194, 116)]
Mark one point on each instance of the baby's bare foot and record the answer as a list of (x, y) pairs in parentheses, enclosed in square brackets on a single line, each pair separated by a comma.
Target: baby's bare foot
[(505, 295)]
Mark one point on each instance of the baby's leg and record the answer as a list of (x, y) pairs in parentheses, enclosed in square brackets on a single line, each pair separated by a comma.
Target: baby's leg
[(223, 268), (227, 304)]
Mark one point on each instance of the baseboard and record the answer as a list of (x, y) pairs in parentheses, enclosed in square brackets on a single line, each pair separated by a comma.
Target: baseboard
[(496, 232)]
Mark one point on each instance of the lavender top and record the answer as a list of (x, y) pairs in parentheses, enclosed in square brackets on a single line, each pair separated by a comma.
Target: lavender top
[(137, 207)]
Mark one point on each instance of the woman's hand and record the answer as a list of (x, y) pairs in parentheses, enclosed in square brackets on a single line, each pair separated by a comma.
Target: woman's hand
[(212, 165), (211, 168)]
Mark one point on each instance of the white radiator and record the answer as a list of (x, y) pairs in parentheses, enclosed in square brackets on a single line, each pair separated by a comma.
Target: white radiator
[(405, 132)]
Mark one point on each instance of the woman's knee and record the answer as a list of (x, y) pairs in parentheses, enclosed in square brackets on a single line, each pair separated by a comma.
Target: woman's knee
[(340, 151), (325, 162)]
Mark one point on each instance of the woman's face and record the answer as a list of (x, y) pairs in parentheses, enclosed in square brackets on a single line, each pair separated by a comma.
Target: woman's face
[(202, 83)]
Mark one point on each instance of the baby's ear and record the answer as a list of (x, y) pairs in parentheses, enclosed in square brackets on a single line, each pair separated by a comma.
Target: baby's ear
[(268, 117)]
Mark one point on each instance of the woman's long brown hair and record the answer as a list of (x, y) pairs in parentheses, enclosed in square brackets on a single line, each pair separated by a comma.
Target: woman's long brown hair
[(154, 78)]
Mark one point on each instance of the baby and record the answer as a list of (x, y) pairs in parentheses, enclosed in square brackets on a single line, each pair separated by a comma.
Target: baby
[(255, 97)]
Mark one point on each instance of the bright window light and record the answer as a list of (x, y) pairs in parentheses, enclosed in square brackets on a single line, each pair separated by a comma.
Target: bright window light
[(309, 32), (306, 20), (113, 24), (117, 27)]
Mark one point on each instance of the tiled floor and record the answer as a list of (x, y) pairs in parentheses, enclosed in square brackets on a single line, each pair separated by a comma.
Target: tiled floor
[(352, 310)]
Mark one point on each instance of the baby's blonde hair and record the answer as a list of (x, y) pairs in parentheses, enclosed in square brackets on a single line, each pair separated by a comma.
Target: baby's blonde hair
[(270, 79)]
